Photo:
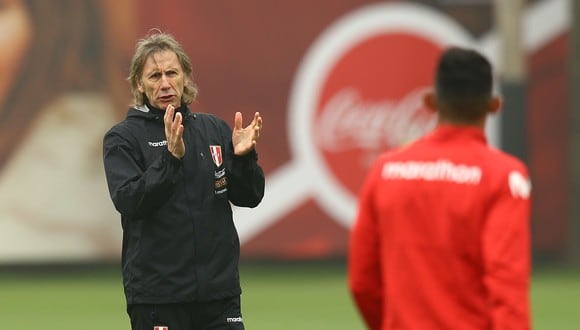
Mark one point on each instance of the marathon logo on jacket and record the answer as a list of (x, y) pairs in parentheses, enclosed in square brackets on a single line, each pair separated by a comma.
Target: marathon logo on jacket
[(237, 319), (157, 144), (216, 155), (440, 170)]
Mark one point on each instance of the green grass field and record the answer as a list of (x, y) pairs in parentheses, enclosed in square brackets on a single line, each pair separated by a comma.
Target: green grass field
[(276, 297)]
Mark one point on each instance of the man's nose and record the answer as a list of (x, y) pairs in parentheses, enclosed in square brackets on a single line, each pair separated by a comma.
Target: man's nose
[(165, 82)]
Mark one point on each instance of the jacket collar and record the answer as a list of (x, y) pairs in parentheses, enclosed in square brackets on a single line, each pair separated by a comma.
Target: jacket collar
[(447, 131), (148, 111)]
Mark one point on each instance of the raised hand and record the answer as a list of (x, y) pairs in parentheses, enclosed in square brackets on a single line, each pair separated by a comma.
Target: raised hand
[(174, 132), (245, 139)]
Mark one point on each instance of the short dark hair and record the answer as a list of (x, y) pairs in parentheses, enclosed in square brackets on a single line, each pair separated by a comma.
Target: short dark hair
[(463, 84)]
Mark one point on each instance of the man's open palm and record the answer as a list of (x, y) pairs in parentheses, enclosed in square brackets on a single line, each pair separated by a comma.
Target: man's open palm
[(245, 139)]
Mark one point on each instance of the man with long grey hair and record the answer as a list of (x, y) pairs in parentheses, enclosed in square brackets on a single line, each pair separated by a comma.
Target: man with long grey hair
[(172, 175)]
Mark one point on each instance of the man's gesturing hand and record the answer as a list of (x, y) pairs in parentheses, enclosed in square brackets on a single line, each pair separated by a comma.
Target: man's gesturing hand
[(244, 139), (174, 132)]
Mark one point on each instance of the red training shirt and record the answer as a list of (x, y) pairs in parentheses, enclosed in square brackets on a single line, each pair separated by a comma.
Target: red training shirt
[(442, 237)]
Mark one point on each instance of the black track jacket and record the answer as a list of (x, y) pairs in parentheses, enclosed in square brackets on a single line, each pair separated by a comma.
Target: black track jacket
[(179, 239)]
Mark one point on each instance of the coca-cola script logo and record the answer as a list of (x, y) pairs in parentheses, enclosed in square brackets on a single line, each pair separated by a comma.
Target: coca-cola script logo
[(371, 101), (359, 92), (348, 122)]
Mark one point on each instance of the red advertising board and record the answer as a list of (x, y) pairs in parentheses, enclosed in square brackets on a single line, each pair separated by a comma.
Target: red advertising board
[(337, 82)]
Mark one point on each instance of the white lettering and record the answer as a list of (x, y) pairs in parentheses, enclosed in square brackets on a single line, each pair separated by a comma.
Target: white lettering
[(234, 319), (440, 170), (520, 187), (158, 144), (348, 122)]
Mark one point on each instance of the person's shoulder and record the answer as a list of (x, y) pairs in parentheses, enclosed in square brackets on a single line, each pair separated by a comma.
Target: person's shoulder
[(120, 125), (127, 125), (502, 160), (403, 151), (509, 173), (394, 154), (120, 130)]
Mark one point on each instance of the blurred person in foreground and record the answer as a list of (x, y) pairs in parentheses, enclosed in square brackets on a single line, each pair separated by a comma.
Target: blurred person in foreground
[(172, 174), (442, 237)]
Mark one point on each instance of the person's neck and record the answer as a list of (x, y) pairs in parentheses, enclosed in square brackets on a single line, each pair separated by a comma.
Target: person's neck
[(181, 108), (480, 123)]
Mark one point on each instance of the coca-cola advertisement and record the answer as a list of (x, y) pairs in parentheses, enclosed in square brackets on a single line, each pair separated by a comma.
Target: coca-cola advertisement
[(336, 82)]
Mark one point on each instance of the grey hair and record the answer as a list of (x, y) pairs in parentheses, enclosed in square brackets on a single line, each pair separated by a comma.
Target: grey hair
[(155, 42)]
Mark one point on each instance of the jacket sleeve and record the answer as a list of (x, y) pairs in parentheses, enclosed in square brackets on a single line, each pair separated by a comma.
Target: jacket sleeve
[(136, 190), (507, 253), (364, 274), (247, 182)]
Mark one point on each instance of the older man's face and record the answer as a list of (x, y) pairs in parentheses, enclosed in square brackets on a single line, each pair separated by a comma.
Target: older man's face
[(163, 80)]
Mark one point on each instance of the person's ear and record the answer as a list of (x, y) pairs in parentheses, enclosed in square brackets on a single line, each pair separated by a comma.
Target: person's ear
[(430, 101), (495, 105), (140, 87)]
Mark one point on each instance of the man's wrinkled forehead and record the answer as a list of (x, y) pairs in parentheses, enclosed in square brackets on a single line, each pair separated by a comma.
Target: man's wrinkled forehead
[(161, 60)]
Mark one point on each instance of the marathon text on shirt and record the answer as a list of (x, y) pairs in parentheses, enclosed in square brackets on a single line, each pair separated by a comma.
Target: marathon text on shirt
[(439, 170)]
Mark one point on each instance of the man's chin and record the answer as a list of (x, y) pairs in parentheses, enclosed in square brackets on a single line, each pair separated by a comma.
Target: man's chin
[(164, 105)]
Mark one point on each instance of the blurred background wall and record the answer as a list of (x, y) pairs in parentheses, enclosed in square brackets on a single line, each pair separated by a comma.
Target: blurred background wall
[(336, 81)]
